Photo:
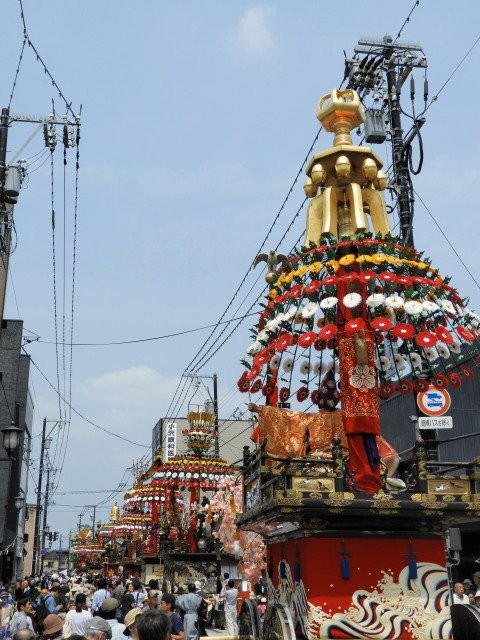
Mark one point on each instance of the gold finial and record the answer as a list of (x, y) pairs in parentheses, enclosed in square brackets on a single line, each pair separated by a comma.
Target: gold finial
[(115, 512), (273, 260), (341, 114)]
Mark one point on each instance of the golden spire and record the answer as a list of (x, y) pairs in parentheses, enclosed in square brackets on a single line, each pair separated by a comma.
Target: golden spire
[(344, 181)]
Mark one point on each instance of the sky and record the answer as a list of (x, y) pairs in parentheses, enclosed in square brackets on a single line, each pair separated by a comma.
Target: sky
[(196, 116)]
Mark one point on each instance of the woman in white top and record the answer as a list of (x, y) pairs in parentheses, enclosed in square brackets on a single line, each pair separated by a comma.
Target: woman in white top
[(77, 620)]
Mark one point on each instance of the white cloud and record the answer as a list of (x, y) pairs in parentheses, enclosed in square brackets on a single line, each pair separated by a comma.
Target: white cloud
[(252, 35)]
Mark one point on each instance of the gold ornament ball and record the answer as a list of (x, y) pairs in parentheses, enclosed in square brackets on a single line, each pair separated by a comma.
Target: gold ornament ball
[(318, 173), (271, 277), (381, 181), (369, 169), (343, 167), (309, 188)]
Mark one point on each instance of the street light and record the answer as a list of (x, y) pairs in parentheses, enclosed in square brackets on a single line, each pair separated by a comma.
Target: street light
[(19, 501), (11, 438)]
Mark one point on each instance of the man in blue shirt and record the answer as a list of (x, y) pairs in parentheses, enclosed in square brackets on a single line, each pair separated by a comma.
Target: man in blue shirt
[(50, 600), (100, 595), (167, 605)]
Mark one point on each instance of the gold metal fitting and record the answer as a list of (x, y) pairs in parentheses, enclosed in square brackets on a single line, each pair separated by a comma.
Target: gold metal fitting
[(318, 174), (369, 169), (310, 188), (381, 181), (340, 112), (343, 167)]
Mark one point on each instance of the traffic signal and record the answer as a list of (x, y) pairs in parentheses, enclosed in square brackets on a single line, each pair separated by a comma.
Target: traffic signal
[(55, 535)]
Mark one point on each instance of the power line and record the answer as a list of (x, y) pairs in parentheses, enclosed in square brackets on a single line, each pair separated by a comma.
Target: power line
[(447, 240), (14, 84), (407, 20), (137, 340), (80, 415), (435, 97)]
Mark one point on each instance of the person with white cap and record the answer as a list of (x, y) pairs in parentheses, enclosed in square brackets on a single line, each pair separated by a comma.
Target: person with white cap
[(98, 629)]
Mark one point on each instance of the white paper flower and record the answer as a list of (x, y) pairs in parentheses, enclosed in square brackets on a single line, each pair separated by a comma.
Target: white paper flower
[(413, 307), (305, 368), (399, 361), (448, 307), (272, 325), (290, 314), (328, 303), (431, 354), (362, 377), (394, 301), (415, 359), (430, 306), (262, 335), (352, 300), (443, 350), (275, 361), (254, 348), (309, 309), (287, 365), (317, 367), (375, 300), (382, 363), (455, 347)]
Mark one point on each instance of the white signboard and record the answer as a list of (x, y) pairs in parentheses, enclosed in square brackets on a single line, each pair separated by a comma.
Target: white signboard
[(170, 440), (443, 422)]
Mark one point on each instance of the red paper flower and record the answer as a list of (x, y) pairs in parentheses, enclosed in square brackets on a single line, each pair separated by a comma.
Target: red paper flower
[(386, 390), (381, 324), (262, 358), (403, 330), (319, 345), (256, 386), (302, 394), (284, 394), (283, 341), (454, 379), (426, 339), (444, 335), (268, 388), (349, 277), (328, 331), (329, 280), (440, 381), (366, 276), (243, 384), (314, 396), (295, 291), (386, 276), (307, 339), (405, 280), (405, 387), (421, 384), (253, 373), (464, 333), (467, 372), (356, 324), (313, 286)]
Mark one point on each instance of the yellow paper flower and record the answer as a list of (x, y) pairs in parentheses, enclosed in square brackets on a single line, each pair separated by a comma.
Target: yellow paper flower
[(347, 260), (422, 265), (378, 258), (362, 258), (316, 267), (334, 264), (289, 277), (302, 270), (273, 293)]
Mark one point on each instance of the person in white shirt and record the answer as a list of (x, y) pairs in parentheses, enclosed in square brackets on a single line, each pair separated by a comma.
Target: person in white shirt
[(231, 596), (459, 596), (139, 594), (108, 612), (77, 620), (100, 595)]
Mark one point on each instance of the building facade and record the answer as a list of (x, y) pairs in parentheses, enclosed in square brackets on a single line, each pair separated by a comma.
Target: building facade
[(15, 406)]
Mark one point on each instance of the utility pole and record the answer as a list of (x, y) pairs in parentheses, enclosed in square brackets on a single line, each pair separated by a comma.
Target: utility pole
[(45, 509), (94, 514), (383, 71), (36, 539), (5, 209), (215, 409), (79, 521)]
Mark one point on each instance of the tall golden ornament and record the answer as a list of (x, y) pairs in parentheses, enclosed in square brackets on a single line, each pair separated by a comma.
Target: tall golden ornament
[(344, 181)]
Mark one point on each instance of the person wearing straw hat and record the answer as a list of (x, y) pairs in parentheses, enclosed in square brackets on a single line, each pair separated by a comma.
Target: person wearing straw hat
[(131, 623)]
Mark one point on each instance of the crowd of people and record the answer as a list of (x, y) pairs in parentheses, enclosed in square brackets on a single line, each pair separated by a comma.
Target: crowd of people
[(81, 608), (468, 592)]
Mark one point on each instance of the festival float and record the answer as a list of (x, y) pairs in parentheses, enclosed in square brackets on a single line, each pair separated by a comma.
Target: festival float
[(355, 543), (86, 551), (172, 525)]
